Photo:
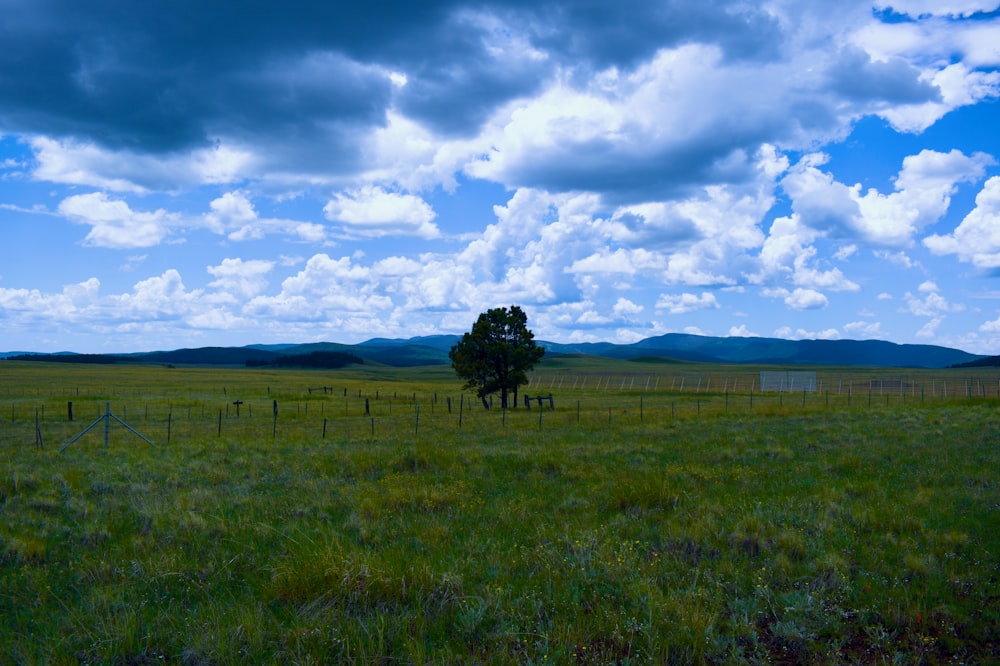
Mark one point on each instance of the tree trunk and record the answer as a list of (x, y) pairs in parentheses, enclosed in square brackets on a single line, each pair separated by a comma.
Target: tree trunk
[(503, 397)]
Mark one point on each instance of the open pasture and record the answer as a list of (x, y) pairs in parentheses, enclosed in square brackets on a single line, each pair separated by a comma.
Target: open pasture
[(382, 517)]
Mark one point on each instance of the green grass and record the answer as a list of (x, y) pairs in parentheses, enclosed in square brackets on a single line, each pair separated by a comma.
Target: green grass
[(649, 527)]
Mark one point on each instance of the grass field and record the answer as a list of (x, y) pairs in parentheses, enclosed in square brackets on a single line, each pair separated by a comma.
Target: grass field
[(637, 522)]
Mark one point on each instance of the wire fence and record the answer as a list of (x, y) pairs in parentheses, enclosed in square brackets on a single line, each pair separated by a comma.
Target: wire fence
[(933, 384), (362, 412)]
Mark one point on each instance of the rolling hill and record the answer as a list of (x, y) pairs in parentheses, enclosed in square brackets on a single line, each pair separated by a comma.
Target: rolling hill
[(433, 350)]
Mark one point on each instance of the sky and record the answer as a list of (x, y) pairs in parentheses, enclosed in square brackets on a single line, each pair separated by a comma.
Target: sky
[(180, 173)]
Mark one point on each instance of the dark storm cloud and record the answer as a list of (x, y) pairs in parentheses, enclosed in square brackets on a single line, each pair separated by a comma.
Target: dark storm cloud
[(676, 171), (624, 33), (161, 76), (302, 84), (855, 76)]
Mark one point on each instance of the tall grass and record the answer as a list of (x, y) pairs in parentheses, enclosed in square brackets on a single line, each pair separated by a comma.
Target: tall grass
[(689, 533)]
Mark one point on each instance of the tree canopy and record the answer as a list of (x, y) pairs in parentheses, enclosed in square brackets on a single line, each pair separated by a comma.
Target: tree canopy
[(496, 355)]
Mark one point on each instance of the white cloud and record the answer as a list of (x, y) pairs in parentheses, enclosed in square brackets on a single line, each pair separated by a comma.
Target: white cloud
[(845, 252), (977, 238), (923, 193), (864, 330), (959, 86), (218, 319), (932, 304), (788, 333), (75, 303), (626, 308), (626, 262), (80, 163), (114, 224), (241, 278), (929, 330), (787, 255), (643, 172), (234, 214), (325, 289), (899, 258), (373, 212), (741, 331), (686, 303), (805, 299), (162, 296), (231, 210)]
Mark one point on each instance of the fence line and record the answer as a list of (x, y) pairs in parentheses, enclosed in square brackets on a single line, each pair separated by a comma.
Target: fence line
[(359, 415)]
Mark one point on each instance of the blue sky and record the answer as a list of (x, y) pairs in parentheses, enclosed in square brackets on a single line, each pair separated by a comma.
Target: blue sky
[(182, 174)]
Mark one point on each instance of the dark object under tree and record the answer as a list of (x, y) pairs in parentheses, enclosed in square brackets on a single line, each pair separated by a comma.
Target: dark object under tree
[(496, 355)]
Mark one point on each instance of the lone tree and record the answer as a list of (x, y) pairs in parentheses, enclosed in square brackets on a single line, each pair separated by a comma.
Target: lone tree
[(497, 354)]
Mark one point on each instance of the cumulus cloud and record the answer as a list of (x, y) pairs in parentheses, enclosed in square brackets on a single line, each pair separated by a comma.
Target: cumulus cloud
[(649, 155), (160, 297), (625, 101), (864, 330), (741, 331), (788, 255), (923, 191), (798, 299), (241, 278), (374, 212), (932, 304), (686, 303), (991, 326), (789, 333), (85, 162), (977, 238), (114, 224), (626, 308), (234, 215), (325, 288), (74, 303)]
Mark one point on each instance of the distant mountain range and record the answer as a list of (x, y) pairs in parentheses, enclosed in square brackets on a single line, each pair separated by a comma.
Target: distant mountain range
[(433, 350)]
